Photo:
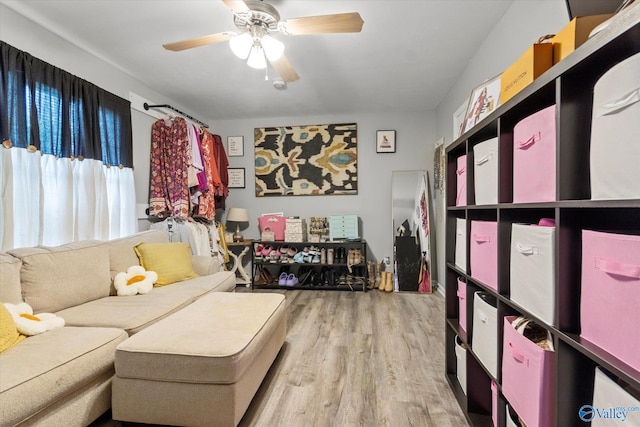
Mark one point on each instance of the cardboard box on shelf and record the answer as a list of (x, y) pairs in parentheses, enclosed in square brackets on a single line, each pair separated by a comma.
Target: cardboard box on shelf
[(537, 59), (574, 34)]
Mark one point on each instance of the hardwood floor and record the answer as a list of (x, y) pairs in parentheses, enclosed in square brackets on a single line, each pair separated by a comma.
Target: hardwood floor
[(358, 359)]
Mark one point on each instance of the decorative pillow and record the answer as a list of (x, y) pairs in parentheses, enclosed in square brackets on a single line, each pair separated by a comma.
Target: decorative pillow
[(28, 324), (171, 261), (135, 281), (9, 335)]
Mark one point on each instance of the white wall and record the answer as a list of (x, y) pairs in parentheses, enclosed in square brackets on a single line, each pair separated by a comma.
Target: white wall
[(414, 150), (522, 25)]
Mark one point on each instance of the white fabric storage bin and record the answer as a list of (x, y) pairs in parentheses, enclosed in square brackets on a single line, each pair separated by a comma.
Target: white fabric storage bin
[(532, 270), (608, 398), (615, 151), (485, 331), (461, 244), (485, 172), (510, 421), (461, 364)]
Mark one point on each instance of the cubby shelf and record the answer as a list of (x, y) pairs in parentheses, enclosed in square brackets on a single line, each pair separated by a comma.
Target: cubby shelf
[(569, 85)]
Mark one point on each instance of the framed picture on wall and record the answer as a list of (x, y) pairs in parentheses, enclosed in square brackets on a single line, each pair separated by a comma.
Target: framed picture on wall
[(235, 146), (236, 177), (386, 141), (483, 101)]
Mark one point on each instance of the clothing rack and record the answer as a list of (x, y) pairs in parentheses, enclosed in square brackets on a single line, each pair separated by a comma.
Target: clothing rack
[(201, 123)]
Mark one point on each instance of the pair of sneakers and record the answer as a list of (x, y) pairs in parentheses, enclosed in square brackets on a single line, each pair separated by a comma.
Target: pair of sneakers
[(287, 279)]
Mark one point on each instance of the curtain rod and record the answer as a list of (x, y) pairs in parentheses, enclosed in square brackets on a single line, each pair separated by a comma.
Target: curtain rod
[(201, 123)]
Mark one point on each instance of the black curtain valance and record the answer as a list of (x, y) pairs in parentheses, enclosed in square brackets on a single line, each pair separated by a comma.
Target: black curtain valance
[(59, 113)]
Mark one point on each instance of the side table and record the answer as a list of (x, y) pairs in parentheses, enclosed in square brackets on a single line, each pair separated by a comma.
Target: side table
[(238, 260)]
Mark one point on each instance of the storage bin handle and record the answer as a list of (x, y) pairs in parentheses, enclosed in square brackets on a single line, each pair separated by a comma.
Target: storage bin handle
[(620, 104), (480, 238), (526, 250), (484, 159), (516, 354), (618, 268), (461, 294), (461, 171), (483, 317), (523, 145)]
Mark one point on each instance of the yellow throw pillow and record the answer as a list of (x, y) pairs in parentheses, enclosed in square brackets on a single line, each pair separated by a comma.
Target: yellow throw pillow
[(171, 261), (9, 335)]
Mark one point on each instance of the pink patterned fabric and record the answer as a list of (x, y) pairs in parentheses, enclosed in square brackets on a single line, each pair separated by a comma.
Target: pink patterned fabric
[(169, 192), (206, 201)]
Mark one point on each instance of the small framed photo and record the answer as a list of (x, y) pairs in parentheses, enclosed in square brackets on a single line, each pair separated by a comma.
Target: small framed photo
[(235, 145), (483, 101), (386, 141), (236, 177)]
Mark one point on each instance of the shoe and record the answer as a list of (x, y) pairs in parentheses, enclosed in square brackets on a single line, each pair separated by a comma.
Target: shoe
[(266, 251), (389, 285), (383, 280), (323, 256), (299, 258), (315, 259), (291, 280), (282, 280), (330, 256)]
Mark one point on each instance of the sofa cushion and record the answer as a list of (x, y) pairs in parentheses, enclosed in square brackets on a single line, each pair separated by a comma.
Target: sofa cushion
[(171, 261), (122, 255), (9, 335), (48, 367), (134, 313), (54, 278), (10, 290)]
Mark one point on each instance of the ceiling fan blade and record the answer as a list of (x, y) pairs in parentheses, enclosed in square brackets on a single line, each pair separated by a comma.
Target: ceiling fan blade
[(285, 69), (323, 24), (237, 6), (197, 42)]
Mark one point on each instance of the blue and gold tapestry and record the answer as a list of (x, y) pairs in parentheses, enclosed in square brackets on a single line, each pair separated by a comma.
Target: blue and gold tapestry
[(306, 160)]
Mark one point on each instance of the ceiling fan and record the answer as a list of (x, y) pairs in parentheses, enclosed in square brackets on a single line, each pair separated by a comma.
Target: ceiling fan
[(256, 21)]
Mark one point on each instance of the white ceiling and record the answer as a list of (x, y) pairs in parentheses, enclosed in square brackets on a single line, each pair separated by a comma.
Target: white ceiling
[(407, 57)]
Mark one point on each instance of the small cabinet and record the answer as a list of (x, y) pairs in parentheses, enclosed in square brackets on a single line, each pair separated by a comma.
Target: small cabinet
[(340, 265)]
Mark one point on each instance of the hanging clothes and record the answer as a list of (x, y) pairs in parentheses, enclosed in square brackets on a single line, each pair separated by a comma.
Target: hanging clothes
[(206, 201), (169, 191), (223, 165)]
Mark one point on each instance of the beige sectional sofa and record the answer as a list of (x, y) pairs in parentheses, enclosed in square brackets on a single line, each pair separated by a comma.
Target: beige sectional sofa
[(63, 377)]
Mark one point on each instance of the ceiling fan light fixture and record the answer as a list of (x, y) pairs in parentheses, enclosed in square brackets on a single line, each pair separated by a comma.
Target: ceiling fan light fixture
[(273, 47), (256, 58), (241, 45)]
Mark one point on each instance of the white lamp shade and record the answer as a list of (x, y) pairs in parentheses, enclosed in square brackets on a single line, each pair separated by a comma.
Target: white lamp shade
[(273, 48), (256, 58), (238, 215), (241, 45)]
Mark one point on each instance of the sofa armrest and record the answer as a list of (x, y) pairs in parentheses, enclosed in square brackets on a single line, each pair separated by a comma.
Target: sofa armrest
[(204, 265)]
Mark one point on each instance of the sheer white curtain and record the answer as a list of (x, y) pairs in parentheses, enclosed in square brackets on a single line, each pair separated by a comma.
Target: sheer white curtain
[(52, 201)]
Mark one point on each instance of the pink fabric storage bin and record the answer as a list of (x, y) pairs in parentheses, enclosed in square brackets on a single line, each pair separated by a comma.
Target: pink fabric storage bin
[(610, 297), (494, 403), (461, 181), (534, 157), (462, 304), (527, 377), (484, 252)]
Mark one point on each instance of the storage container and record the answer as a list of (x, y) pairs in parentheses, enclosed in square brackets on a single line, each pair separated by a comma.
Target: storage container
[(527, 377), (485, 172), (485, 331), (610, 295), (462, 304), (461, 244), (483, 252), (534, 157), (615, 152), (461, 181), (461, 364), (537, 59), (532, 270), (494, 403), (608, 397), (511, 418), (343, 227)]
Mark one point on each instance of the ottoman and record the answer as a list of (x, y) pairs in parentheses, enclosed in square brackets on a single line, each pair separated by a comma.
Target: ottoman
[(202, 365)]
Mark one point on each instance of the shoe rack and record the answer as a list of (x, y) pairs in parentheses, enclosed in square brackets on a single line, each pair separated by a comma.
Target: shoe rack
[(339, 265), (478, 386)]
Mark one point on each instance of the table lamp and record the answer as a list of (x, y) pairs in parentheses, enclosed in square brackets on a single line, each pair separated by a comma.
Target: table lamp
[(238, 215)]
